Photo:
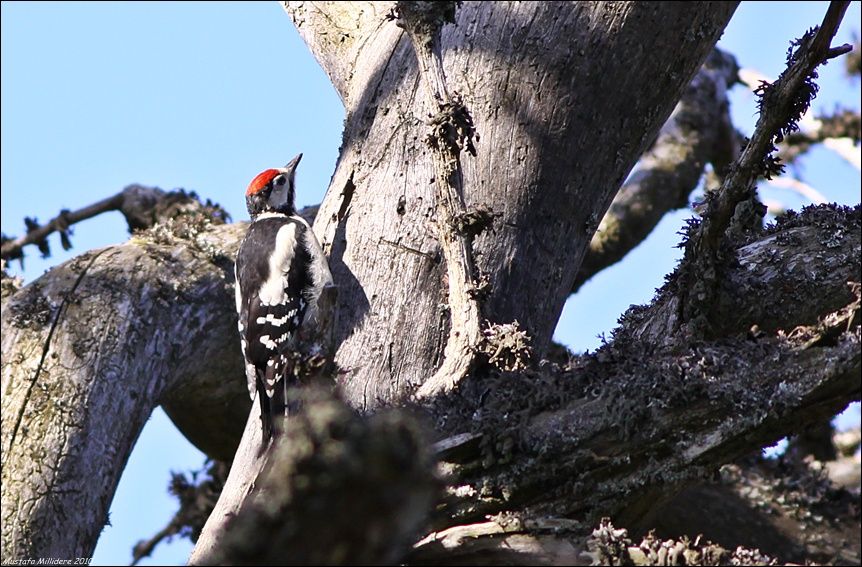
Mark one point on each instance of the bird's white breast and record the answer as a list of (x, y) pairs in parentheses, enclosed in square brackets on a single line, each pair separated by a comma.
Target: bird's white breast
[(272, 291)]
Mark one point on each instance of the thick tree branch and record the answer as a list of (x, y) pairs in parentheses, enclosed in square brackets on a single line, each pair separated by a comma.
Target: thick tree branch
[(125, 357), (782, 104), (88, 350), (821, 244), (698, 132), (336, 33), (541, 103), (637, 424)]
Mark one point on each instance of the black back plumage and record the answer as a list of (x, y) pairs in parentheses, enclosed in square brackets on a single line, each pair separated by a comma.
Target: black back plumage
[(268, 329)]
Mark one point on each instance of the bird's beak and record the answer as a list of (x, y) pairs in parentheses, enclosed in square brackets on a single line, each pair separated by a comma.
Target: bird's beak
[(283, 195), (290, 168)]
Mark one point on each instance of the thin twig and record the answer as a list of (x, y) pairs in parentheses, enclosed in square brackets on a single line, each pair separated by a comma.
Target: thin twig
[(145, 548), (142, 206), (13, 248)]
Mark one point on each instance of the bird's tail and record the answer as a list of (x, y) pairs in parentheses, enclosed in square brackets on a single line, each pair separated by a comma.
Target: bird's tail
[(265, 414), (274, 411)]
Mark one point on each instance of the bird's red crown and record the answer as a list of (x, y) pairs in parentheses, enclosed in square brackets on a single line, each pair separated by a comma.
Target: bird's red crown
[(260, 181)]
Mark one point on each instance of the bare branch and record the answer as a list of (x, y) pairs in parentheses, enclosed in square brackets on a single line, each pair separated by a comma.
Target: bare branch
[(142, 207), (88, 350), (782, 104), (197, 498), (36, 234)]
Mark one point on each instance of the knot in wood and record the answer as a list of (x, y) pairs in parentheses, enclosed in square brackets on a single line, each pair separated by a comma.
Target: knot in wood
[(423, 19), (507, 346), (473, 222), (452, 128)]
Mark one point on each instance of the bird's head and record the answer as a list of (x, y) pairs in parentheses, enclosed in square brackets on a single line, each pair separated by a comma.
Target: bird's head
[(272, 190)]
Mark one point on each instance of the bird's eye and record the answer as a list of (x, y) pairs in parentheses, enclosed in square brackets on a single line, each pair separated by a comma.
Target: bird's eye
[(279, 180)]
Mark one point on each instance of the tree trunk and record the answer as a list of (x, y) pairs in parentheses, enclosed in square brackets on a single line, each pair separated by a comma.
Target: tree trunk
[(564, 98)]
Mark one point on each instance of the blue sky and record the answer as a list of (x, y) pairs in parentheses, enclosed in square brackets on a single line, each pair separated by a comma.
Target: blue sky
[(203, 96)]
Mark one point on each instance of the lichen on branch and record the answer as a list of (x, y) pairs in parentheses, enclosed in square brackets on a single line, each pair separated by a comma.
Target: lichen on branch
[(781, 104)]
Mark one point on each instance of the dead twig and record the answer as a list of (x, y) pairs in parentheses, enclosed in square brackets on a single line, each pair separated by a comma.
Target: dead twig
[(142, 206)]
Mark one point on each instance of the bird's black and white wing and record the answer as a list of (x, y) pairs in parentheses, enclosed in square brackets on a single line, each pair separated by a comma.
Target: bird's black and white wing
[(272, 272)]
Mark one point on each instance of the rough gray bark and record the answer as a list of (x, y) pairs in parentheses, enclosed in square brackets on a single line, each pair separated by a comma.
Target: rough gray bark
[(699, 132), (784, 269), (450, 135), (550, 87), (511, 436), (733, 207), (89, 349)]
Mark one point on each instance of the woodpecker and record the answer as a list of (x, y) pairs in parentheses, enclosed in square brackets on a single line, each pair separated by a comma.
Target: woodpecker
[(280, 272)]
